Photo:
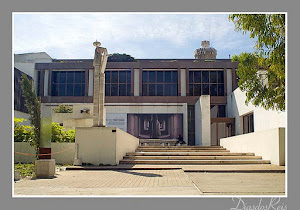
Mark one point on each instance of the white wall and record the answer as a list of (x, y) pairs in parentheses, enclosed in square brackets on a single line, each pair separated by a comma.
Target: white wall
[(202, 121), (263, 119), (270, 144)]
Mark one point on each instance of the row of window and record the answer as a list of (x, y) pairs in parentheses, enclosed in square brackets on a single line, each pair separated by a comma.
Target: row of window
[(154, 83)]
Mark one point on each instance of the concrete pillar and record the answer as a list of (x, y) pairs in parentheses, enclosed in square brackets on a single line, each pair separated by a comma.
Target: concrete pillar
[(183, 82), (202, 121), (46, 82), (91, 81), (46, 131), (229, 81), (136, 84), (185, 123)]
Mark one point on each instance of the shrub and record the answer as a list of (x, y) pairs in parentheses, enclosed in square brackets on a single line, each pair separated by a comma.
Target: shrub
[(60, 135), (63, 109), (23, 133)]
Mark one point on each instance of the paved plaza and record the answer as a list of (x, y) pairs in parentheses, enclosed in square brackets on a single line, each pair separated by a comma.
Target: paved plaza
[(173, 182)]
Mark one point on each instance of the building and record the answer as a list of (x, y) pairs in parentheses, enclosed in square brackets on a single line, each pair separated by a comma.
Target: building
[(153, 98)]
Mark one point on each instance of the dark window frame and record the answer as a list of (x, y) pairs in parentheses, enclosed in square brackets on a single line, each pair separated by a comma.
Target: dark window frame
[(173, 83), (109, 84), (218, 84)]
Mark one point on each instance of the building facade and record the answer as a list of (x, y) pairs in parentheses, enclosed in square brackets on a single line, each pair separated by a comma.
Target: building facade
[(198, 99)]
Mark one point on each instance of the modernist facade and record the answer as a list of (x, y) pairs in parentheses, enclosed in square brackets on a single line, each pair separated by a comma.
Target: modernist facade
[(155, 98)]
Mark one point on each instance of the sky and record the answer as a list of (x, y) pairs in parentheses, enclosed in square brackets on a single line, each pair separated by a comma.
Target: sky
[(141, 35)]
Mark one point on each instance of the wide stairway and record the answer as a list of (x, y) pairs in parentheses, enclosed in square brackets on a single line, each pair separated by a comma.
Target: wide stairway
[(192, 155)]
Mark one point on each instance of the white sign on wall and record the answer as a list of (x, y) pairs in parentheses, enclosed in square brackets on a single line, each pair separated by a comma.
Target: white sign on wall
[(117, 120)]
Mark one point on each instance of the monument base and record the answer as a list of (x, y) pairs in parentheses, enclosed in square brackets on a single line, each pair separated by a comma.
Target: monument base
[(44, 168), (103, 145)]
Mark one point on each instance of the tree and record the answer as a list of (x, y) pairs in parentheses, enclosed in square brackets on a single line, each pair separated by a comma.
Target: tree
[(34, 109), (262, 73), (116, 57)]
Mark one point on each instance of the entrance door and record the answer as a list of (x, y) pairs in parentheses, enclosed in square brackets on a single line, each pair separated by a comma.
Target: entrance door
[(221, 128)]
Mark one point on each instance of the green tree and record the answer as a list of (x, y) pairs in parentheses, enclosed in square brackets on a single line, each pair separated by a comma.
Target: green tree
[(262, 73), (63, 108), (116, 57), (33, 106)]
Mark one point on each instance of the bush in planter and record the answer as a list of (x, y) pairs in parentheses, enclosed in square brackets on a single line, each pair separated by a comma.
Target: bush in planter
[(23, 133), (63, 109), (60, 135)]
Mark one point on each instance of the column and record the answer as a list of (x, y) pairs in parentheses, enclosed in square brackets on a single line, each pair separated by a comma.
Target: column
[(91, 81), (46, 83), (183, 82), (202, 121), (136, 84)]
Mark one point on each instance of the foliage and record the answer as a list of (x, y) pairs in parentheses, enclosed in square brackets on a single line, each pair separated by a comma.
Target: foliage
[(60, 135), (262, 73), (25, 169), (116, 57), (23, 133), (34, 109), (63, 109)]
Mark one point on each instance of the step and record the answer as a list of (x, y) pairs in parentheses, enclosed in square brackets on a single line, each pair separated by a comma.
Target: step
[(187, 154), (181, 147), (199, 162), (180, 150), (191, 157)]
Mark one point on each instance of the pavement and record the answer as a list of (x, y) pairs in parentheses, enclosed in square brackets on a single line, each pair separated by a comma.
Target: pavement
[(154, 180)]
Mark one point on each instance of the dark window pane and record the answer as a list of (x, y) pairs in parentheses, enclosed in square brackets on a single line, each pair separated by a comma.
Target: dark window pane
[(151, 90), (70, 89), (107, 89), (205, 77), (82, 89), (191, 77), (128, 76), (55, 77), (83, 77), (175, 77), (221, 90), (114, 77), (54, 90), (222, 110), (213, 90), (145, 77), (122, 90), (122, 76), (70, 77), (167, 90), (77, 76), (197, 89), (167, 77), (160, 77), (220, 76), (197, 77), (205, 89), (77, 89), (114, 90), (151, 76), (128, 89), (144, 90), (174, 90), (213, 77), (107, 77), (251, 123), (160, 90), (191, 92), (39, 76), (62, 89)]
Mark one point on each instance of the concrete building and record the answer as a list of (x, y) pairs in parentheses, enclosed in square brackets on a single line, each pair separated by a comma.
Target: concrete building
[(153, 98)]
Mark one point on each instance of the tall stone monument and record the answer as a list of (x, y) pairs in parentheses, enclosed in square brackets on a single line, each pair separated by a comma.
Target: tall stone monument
[(100, 60)]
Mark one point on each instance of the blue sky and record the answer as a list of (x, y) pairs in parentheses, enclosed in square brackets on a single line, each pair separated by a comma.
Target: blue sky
[(141, 35)]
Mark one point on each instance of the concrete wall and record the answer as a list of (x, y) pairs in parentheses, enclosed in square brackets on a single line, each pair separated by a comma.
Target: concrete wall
[(103, 145), (202, 121), (263, 119), (270, 144), (65, 156)]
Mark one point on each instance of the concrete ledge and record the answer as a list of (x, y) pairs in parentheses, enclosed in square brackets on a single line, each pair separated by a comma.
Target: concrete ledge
[(270, 144), (44, 168)]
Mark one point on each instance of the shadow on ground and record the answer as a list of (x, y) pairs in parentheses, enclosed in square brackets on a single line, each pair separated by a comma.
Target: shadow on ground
[(141, 174)]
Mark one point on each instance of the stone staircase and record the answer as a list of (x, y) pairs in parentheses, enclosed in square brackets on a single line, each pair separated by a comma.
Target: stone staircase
[(192, 155)]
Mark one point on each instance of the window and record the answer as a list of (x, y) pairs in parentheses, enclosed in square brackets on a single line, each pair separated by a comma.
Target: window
[(160, 83), (206, 83), (248, 123), (38, 83), (117, 83), (68, 83)]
